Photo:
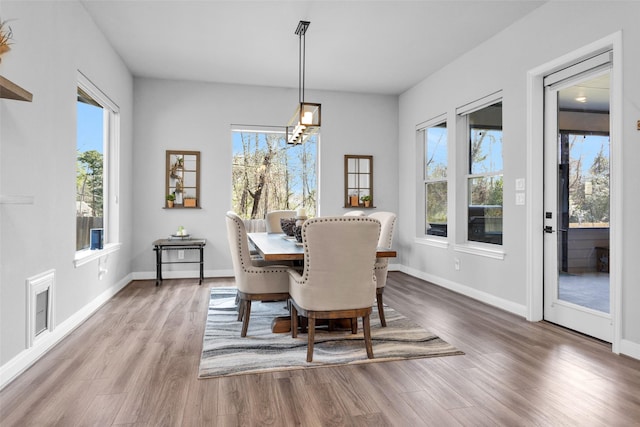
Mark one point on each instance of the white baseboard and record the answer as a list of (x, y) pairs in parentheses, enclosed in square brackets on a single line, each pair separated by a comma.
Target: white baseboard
[(23, 360), (630, 348), (484, 297)]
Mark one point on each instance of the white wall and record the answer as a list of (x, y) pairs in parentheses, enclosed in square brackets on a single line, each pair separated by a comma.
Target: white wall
[(177, 115), (502, 63), (38, 155)]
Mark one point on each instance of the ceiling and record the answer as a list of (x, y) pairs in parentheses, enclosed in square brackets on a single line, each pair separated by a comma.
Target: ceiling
[(372, 46)]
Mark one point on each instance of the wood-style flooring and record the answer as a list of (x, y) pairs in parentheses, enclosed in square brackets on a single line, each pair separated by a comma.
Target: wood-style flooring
[(135, 363)]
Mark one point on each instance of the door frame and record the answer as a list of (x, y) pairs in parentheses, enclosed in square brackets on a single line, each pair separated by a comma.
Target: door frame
[(535, 167)]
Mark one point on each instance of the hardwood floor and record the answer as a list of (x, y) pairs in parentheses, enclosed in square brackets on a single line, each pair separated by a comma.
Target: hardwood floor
[(135, 362)]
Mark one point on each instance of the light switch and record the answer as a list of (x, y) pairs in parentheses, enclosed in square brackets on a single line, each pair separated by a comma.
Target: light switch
[(519, 198), (520, 184)]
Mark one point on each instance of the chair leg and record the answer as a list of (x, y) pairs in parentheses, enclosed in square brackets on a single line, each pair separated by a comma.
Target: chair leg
[(383, 321), (311, 338), (367, 336), (246, 315), (240, 309), (294, 321), (354, 325)]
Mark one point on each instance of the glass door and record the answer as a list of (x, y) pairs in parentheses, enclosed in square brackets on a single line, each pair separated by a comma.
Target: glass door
[(577, 203)]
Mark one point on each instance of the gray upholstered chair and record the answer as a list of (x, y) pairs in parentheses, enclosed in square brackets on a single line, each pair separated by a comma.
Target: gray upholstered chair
[(273, 220), (338, 280), (269, 283), (387, 222)]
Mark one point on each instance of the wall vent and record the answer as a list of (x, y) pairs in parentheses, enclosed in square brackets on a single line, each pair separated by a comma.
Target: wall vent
[(40, 310)]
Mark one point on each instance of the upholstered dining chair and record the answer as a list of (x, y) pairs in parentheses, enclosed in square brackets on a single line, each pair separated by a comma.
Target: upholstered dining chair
[(355, 213), (268, 283), (387, 222), (337, 281), (273, 220)]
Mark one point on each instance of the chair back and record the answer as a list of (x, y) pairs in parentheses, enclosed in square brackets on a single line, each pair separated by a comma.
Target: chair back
[(238, 245), (340, 253), (355, 213), (273, 220), (387, 222)]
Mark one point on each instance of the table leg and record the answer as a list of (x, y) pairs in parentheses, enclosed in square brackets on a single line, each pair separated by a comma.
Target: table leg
[(201, 265), (158, 265)]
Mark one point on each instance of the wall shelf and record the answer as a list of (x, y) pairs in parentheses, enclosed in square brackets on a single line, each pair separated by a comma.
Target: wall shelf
[(10, 90)]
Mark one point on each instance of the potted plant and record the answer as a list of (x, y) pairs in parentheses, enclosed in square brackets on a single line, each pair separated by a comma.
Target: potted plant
[(6, 35), (353, 200), (366, 200), (170, 199), (189, 202)]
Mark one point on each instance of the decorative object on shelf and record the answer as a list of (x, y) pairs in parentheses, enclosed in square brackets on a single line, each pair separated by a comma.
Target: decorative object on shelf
[(183, 177), (6, 37), (306, 119), (181, 233), (358, 181), (189, 202), (170, 199)]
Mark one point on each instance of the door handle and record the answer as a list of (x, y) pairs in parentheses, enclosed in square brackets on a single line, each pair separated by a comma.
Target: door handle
[(549, 229)]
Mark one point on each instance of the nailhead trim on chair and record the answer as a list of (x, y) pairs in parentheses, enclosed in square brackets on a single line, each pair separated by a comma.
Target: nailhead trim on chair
[(307, 223), (250, 268)]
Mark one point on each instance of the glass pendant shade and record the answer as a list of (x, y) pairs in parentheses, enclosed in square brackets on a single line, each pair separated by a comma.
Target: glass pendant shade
[(304, 123)]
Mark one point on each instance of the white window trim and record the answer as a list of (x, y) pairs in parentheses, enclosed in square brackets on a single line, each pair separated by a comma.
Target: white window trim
[(422, 237), (468, 246), (480, 249), (112, 166), (435, 241), (85, 256)]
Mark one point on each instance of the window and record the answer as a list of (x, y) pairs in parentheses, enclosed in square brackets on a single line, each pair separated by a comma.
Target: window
[(96, 168), (269, 174), (585, 162), (435, 163), (484, 173)]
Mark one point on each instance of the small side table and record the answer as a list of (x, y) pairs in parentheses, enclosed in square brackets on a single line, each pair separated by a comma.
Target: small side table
[(177, 245)]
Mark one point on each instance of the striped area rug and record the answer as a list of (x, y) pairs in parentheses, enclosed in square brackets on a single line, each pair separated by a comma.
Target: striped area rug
[(225, 353)]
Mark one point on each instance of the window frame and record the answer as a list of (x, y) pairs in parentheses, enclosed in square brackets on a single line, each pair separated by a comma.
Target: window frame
[(266, 129), (111, 168), (463, 244), (425, 181)]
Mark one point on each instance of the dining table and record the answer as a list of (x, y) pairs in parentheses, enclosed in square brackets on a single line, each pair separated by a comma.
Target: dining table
[(281, 247)]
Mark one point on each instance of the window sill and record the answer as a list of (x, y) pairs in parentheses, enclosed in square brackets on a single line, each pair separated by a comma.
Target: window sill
[(430, 241), (480, 250), (87, 255)]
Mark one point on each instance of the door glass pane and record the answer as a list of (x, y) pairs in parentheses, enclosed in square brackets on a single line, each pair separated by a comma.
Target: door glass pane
[(583, 194)]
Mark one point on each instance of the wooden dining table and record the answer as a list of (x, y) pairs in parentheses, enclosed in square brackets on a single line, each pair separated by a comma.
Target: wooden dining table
[(280, 247)]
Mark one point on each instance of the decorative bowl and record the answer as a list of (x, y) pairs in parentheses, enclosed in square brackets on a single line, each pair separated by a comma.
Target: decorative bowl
[(287, 225), (297, 231)]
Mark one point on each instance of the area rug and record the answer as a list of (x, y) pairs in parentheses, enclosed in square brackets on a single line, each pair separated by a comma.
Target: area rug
[(225, 353)]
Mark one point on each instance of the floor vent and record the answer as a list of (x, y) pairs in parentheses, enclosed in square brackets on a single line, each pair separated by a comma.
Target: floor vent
[(40, 318)]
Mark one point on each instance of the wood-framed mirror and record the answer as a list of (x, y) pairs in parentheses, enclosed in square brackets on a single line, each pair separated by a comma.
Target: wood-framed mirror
[(358, 181), (182, 179)]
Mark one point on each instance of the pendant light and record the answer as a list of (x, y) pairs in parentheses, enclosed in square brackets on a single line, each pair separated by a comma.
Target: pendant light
[(306, 119)]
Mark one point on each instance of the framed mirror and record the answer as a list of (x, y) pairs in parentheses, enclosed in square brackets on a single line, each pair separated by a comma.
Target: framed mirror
[(182, 186), (358, 181)]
